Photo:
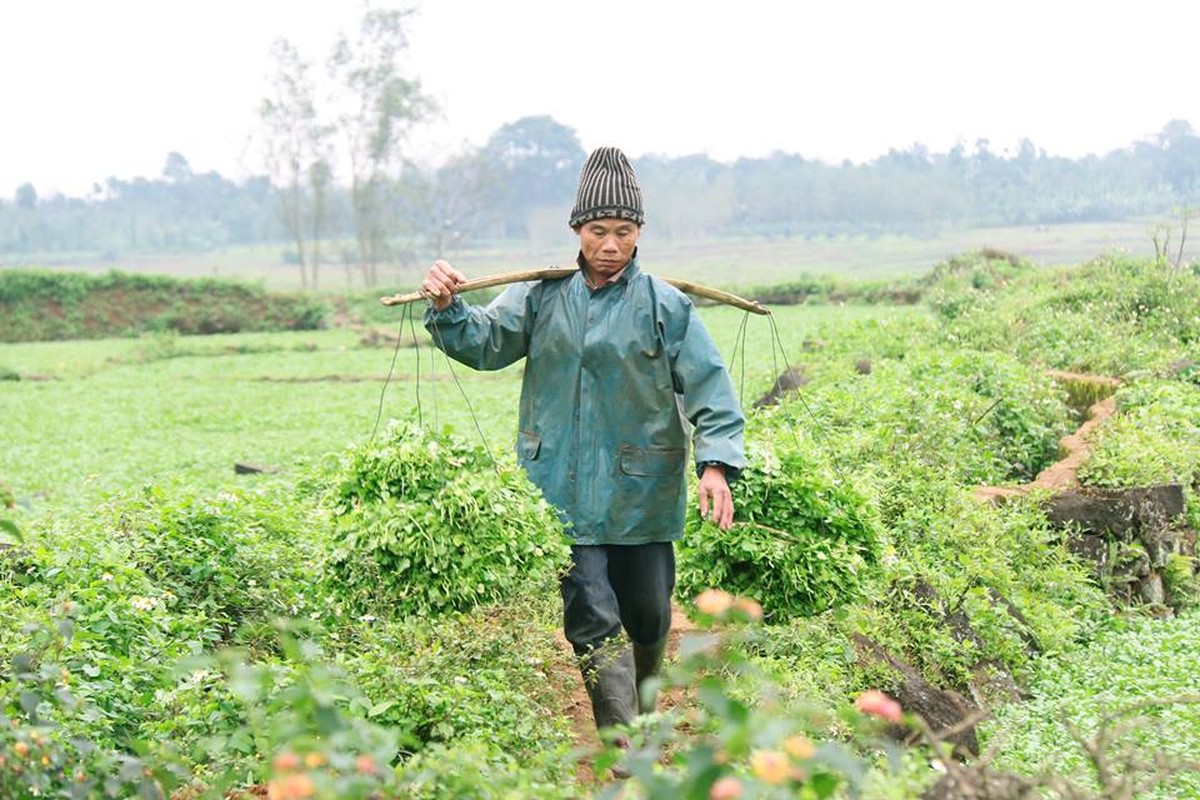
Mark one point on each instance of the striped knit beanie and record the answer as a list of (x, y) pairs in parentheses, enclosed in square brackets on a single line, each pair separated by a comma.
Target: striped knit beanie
[(608, 189)]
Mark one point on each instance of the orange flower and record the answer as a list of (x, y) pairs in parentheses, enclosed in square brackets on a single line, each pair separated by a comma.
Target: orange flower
[(727, 788), (878, 704), (713, 602), (21, 749), (799, 747), (314, 760), (751, 609), (286, 761), (770, 766), (365, 764), (292, 787)]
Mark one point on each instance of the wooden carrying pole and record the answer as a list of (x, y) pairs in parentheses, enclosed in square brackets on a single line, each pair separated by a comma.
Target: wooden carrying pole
[(555, 273)]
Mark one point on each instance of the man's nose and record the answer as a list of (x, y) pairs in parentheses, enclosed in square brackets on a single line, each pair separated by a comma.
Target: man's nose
[(609, 243)]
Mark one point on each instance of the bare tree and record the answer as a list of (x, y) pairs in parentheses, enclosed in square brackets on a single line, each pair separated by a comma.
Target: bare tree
[(292, 140), (320, 181), (447, 205), (1160, 237), (381, 106)]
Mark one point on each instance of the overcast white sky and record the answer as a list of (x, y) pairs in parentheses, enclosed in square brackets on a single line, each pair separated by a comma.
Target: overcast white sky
[(97, 88)]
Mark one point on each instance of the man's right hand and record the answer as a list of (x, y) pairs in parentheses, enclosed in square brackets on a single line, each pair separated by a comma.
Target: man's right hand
[(440, 283)]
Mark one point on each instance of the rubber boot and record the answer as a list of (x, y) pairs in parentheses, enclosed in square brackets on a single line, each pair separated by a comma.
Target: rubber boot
[(647, 659), (609, 679)]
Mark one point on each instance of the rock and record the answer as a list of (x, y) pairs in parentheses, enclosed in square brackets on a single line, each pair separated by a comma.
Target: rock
[(1128, 535), (245, 468), (863, 366), (1187, 543), (944, 710), (378, 337), (1183, 367), (1117, 511), (991, 682), (1093, 549), (1150, 590), (788, 381), (1160, 544)]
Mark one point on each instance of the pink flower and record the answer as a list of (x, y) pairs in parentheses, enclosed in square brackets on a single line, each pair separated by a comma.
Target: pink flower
[(727, 788), (878, 704)]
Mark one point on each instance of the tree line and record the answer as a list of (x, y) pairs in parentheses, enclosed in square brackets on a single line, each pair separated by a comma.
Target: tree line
[(337, 187)]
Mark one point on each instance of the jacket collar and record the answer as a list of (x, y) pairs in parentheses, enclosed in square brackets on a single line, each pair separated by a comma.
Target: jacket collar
[(631, 270)]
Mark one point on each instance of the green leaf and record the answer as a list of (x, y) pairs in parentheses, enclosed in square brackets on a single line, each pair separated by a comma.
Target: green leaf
[(381, 708)]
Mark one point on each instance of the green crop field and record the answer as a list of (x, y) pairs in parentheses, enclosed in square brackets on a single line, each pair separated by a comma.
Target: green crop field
[(334, 627)]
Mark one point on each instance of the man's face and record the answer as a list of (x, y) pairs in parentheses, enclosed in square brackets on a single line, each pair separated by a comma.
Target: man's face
[(607, 246)]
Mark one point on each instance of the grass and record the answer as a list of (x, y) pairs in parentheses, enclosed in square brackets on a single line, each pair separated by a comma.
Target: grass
[(124, 412), (1137, 660)]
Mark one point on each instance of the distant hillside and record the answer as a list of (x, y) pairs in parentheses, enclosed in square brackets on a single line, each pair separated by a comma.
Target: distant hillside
[(38, 305)]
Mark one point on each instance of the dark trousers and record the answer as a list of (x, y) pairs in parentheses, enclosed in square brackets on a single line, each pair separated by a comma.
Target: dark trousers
[(614, 586)]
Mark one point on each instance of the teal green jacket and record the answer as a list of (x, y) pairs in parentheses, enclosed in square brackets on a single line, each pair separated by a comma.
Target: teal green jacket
[(616, 379)]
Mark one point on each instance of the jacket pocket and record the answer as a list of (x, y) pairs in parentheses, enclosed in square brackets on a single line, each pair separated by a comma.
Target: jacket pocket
[(652, 462), (649, 496), (528, 445)]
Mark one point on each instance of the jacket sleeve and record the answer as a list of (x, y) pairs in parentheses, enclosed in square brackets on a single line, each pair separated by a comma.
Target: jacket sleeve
[(709, 402), (485, 337)]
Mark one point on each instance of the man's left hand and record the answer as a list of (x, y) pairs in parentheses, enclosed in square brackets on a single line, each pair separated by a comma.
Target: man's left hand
[(714, 492)]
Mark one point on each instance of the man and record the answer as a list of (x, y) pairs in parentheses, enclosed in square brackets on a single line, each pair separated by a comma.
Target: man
[(618, 367)]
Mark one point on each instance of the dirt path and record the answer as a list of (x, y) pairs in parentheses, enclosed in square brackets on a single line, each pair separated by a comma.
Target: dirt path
[(578, 708), (1073, 449)]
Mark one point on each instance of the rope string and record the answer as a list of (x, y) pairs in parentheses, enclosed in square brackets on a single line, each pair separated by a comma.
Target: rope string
[(391, 370), (777, 342), (412, 327), (408, 317), (437, 330)]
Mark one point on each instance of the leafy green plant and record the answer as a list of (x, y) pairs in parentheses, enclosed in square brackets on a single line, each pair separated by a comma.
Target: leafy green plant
[(423, 522), (478, 676), (10, 532), (470, 770), (1155, 437), (738, 740), (1181, 579), (296, 713), (1135, 661), (981, 417), (1111, 316), (960, 284), (803, 543), (237, 558), (42, 751)]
